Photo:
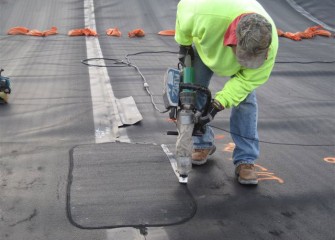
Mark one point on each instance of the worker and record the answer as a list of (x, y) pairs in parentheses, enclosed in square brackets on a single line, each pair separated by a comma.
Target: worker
[(236, 39)]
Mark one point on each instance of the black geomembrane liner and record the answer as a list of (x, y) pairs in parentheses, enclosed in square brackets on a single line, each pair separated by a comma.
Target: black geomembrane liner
[(50, 109)]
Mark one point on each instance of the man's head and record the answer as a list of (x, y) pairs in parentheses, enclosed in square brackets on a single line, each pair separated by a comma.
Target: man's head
[(254, 34)]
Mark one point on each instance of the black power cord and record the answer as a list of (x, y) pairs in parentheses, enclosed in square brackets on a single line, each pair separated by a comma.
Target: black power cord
[(127, 63), (274, 143)]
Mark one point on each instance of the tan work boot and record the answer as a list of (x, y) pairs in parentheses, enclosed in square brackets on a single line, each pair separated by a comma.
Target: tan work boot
[(199, 156), (246, 174)]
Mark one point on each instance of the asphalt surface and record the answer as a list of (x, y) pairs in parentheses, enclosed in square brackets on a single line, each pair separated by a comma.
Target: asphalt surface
[(51, 110)]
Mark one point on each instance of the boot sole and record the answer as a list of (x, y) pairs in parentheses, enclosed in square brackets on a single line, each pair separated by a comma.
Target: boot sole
[(247, 182)]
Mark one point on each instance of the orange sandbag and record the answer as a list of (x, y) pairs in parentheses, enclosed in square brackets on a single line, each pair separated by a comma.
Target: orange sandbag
[(75, 32), (322, 32), (292, 36), (310, 32), (169, 32), (89, 32), (305, 35), (35, 33), (136, 33), (18, 31), (51, 31), (113, 32), (82, 32), (312, 29)]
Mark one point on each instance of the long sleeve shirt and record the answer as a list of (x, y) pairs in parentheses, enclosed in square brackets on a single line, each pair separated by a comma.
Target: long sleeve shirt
[(204, 24)]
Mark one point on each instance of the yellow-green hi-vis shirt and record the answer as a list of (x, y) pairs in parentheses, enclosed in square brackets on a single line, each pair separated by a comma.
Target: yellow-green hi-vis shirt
[(204, 23)]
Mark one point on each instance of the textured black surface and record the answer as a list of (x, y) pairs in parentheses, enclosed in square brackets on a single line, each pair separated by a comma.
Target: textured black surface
[(122, 184), (321, 10), (50, 111)]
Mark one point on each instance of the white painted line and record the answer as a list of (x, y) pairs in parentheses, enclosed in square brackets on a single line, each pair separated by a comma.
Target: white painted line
[(107, 119), (171, 158), (154, 233), (105, 112), (124, 233), (309, 16)]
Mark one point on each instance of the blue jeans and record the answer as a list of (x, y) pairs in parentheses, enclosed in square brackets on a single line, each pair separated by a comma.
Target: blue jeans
[(243, 121)]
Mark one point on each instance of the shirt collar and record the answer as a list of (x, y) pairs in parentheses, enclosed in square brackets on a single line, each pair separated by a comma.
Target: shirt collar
[(230, 38)]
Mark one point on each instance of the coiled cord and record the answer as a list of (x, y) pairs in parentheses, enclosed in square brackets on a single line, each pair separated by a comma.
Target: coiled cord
[(127, 63)]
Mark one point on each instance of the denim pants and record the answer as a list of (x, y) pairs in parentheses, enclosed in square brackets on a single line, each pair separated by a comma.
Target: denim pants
[(243, 121)]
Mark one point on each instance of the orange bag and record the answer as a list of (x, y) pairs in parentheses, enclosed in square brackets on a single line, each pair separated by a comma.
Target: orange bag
[(292, 36), (75, 32), (34, 32), (89, 32), (51, 31), (136, 33), (310, 32), (82, 32), (313, 29), (322, 32), (169, 32), (305, 35), (18, 31), (113, 32)]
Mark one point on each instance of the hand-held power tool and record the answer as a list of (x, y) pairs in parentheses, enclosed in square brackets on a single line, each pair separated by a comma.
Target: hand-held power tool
[(180, 94)]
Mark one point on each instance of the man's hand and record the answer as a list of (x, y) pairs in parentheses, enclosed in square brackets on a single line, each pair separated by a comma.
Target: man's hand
[(214, 108), (183, 52)]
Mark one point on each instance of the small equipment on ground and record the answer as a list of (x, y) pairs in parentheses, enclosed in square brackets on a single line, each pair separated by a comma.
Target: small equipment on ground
[(5, 89)]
